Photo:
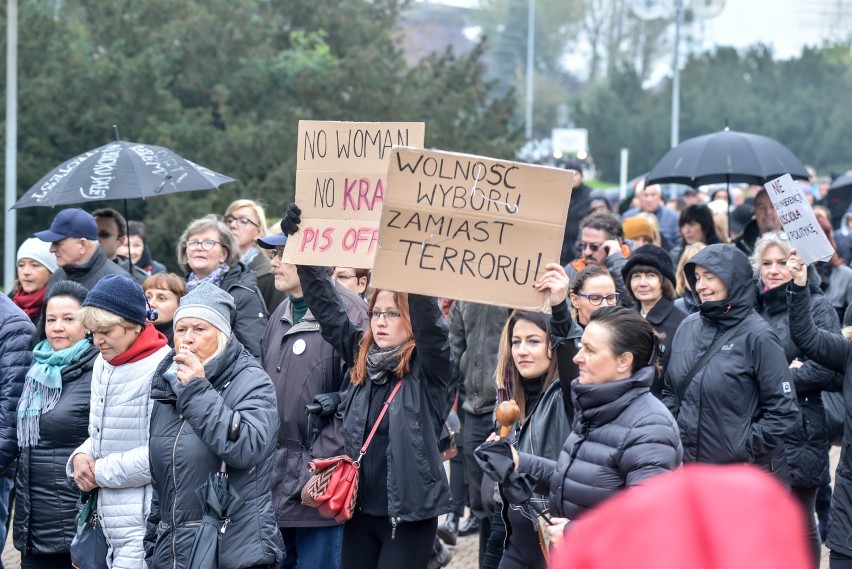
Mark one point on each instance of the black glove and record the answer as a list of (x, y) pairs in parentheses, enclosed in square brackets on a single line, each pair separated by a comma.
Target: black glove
[(291, 221)]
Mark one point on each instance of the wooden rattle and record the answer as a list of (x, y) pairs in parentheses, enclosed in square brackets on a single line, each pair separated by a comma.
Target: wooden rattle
[(507, 414)]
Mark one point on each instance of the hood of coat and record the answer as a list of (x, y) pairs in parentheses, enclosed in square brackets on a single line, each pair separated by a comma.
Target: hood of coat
[(239, 275), (733, 267), (600, 403)]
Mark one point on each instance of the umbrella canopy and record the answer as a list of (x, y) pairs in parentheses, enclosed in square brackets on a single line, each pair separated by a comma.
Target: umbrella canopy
[(218, 502), (120, 170), (726, 157), (495, 459), (839, 198)]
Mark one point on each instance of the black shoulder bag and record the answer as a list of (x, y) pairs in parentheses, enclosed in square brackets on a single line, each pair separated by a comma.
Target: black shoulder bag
[(705, 357)]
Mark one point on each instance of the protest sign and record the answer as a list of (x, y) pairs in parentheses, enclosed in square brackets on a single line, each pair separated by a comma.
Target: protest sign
[(470, 228), (798, 219), (340, 187)]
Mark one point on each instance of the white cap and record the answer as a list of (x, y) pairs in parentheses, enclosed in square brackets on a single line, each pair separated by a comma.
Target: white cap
[(38, 250)]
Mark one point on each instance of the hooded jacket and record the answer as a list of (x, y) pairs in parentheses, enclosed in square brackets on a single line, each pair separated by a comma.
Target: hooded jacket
[(189, 439), (742, 403), (251, 314), (622, 435), (45, 512), (807, 446), (302, 365), (416, 480), (834, 352)]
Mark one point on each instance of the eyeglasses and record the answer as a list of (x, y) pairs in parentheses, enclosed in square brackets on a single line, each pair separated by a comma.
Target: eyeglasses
[(388, 314), (345, 277), (593, 247), (276, 252), (598, 299), (781, 235), (105, 235), (207, 244), (241, 221)]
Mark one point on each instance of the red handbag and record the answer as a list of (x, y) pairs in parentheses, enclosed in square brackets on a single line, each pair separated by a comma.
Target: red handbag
[(333, 487)]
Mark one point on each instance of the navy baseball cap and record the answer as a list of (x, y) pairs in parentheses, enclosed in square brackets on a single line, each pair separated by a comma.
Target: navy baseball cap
[(70, 223), (272, 241)]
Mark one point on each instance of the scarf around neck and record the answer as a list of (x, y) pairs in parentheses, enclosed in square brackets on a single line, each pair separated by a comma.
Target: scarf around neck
[(215, 277), (30, 302), (382, 363), (148, 342), (249, 255), (43, 387)]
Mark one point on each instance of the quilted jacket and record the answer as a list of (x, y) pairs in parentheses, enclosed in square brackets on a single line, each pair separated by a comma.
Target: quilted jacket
[(118, 441)]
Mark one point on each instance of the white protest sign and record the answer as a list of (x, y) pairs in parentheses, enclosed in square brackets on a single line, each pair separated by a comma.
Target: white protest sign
[(798, 219)]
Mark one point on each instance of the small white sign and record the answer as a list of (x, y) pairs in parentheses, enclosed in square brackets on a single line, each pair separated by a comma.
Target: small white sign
[(798, 219)]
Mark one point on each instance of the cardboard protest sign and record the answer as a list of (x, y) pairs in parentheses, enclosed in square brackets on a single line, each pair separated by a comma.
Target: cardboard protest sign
[(798, 219), (470, 228), (340, 187)]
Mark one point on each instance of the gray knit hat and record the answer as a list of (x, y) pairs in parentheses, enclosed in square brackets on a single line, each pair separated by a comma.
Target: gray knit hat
[(209, 303)]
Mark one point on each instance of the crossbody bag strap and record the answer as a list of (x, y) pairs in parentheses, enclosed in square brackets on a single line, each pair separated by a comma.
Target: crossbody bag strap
[(379, 420), (705, 357)]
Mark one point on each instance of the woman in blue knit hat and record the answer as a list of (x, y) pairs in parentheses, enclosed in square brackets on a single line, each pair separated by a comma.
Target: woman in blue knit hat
[(114, 458)]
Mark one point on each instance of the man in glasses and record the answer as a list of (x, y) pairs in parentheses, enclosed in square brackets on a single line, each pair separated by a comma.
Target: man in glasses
[(306, 371), (112, 235), (602, 243), (73, 238)]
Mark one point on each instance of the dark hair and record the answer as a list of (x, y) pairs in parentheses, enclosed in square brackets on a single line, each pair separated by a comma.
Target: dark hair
[(137, 229), (702, 215), (68, 289), (629, 332), (586, 274), (667, 285), (114, 215), (509, 380), (604, 221)]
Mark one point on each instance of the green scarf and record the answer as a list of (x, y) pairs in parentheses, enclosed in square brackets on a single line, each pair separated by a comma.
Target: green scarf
[(43, 387)]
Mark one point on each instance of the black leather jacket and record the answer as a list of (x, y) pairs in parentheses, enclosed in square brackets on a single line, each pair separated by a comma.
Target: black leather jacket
[(417, 482)]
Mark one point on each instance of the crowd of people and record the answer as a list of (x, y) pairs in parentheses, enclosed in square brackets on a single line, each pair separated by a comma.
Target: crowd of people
[(679, 332)]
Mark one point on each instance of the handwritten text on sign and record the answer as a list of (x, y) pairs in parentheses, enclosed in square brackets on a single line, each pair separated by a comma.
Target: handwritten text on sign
[(798, 219), (470, 228), (340, 186)]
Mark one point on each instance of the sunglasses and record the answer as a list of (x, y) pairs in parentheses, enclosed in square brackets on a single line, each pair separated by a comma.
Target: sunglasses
[(593, 247)]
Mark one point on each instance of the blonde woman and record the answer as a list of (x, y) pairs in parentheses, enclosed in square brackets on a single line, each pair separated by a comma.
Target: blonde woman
[(685, 300)]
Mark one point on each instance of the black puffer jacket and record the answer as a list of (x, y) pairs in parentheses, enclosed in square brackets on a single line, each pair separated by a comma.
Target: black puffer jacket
[(416, 480), (251, 315), (834, 352), (16, 357), (622, 435), (44, 504), (189, 439), (742, 403), (807, 446)]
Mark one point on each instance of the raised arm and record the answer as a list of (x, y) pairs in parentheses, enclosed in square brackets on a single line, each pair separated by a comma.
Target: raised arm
[(812, 377)]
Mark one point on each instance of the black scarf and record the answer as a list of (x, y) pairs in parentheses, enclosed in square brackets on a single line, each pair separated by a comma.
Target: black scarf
[(382, 363)]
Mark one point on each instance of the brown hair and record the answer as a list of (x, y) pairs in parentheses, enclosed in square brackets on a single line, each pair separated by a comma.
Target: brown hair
[(580, 281), (509, 381), (359, 372), (666, 285), (166, 281)]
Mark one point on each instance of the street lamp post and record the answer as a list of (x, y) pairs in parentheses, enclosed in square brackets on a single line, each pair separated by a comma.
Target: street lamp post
[(530, 63), (676, 74), (10, 225)]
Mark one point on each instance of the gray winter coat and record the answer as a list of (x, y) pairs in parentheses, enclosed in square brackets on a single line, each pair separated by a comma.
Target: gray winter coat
[(622, 435), (834, 352), (475, 340), (742, 403), (189, 439), (298, 376)]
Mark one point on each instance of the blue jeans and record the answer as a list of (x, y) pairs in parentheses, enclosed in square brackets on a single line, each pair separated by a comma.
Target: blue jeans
[(6, 485), (306, 548)]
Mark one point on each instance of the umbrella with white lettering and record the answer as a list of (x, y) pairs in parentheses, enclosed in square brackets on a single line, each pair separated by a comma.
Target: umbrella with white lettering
[(120, 170)]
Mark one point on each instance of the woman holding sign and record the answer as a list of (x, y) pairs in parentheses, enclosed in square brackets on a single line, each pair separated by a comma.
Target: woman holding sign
[(401, 363)]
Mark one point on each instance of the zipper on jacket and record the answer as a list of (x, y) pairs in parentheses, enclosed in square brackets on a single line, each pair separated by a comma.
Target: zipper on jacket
[(393, 521), (174, 504)]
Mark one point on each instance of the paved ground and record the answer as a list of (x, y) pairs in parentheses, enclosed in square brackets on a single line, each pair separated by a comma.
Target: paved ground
[(465, 553)]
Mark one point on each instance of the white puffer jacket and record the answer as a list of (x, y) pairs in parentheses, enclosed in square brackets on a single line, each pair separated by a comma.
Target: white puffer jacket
[(118, 441)]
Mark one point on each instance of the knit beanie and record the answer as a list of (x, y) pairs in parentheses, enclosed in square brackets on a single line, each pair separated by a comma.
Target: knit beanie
[(638, 226), (121, 296), (38, 250), (210, 303), (651, 256)]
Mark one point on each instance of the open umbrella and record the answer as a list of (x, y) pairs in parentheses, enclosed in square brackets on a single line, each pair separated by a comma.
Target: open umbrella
[(839, 198), (120, 170), (725, 157), (219, 502)]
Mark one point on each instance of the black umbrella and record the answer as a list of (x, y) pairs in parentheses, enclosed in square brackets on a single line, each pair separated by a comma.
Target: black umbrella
[(120, 170), (839, 198), (726, 157), (219, 502), (495, 459)]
